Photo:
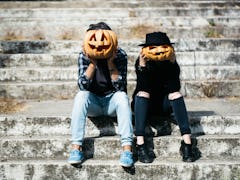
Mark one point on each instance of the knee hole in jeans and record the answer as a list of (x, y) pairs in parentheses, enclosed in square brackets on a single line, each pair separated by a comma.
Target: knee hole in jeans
[(143, 94), (174, 95)]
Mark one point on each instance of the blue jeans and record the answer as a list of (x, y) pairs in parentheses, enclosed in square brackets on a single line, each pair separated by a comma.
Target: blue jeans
[(89, 104)]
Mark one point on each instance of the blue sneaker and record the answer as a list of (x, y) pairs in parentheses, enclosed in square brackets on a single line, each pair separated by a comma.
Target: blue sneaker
[(126, 159), (76, 157)]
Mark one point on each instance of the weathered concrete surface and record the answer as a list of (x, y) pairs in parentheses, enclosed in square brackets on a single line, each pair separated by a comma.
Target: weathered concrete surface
[(197, 58), (35, 143), (195, 106), (189, 72), (70, 29), (121, 4), (20, 125), (72, 47), (117, 12), (58, 147), (110, 169), (58, 90), (207, 116)]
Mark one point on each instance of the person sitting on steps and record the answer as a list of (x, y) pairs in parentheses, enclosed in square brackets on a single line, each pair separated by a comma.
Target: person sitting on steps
[(102, 84), (157, 92)]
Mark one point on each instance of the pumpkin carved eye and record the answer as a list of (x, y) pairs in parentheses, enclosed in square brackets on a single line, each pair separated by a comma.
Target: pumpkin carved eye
[(152, 47), (159, 53), (100, 44)]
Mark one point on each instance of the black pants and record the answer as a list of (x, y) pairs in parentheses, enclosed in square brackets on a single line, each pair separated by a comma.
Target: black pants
[(144, 108)]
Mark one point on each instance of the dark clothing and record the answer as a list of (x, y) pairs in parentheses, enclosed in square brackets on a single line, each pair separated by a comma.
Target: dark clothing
[(101, 84), (180, 113), (141, 114), (158, 78)]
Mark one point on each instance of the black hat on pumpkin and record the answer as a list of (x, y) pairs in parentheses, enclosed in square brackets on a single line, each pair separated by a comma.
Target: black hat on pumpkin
[(156, 39)]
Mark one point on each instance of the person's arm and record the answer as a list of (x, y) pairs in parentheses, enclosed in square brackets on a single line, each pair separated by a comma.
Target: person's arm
[(142, 72), (112, 67), (86, 70), (173, 77), (90, 71), (118, 70)]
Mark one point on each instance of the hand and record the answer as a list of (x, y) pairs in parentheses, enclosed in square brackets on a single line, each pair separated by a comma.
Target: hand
[(92, 61), (142, 60), (112, 67), (110, 62), (111, 59)]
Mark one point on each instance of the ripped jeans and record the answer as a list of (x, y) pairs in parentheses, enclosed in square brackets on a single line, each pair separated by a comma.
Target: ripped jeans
[(89, 104)]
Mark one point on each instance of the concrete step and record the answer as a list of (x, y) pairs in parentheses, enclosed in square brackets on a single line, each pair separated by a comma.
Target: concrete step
[(119, 4), (67, 90), (125, 22), (189, 72), (126, 28), (63, 47), (24, 148), (194, 58), (149, 12), (164, 21), (60, 125), (110, 169), (207, 116)]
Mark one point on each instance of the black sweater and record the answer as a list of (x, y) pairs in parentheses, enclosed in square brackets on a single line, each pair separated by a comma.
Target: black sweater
[(158, 78)]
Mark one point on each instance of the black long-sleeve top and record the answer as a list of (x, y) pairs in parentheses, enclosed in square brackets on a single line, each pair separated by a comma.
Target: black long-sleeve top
[(158, 78)]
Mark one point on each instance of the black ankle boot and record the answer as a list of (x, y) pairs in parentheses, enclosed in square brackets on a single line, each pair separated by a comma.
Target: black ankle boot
[(186, 152), (142, 154)]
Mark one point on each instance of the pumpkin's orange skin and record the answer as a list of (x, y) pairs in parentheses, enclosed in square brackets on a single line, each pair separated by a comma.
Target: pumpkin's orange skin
[(100, 44), (159, 53)]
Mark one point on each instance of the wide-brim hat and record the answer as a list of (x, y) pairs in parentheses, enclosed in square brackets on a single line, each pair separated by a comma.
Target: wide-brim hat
[(156, 39)]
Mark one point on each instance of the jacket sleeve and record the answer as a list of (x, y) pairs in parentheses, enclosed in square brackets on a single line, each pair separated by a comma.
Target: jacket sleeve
[(173, 83), (83, 63), (142, 77)]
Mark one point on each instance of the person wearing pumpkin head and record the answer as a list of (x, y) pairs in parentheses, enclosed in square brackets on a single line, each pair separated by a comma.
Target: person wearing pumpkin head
[(102, 83), (157, 92)]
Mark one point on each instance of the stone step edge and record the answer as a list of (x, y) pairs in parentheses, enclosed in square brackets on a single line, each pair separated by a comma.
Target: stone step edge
[(100, 169), (125, 16), (120, 8), (132, 53), (29, 126), (59, 4), (75, 67), (110, 162), (21, 117), (205, 20), (130, 81), (113, 138), (121, 40)]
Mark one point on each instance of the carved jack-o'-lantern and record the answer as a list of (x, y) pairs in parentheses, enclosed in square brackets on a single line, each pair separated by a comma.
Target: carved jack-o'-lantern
[(100, 44), (159, 53)]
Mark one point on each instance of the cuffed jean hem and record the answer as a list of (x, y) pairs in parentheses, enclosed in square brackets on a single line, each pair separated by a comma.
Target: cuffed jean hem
[(77, 143), (185, 132), (126, 144)]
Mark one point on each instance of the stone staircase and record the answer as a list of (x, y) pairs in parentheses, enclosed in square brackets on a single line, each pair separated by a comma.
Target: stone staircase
[(39, 46)]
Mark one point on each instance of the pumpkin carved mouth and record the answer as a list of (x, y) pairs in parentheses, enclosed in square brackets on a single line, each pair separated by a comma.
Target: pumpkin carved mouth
[(100, 44), (158, 53), (100, 48)]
